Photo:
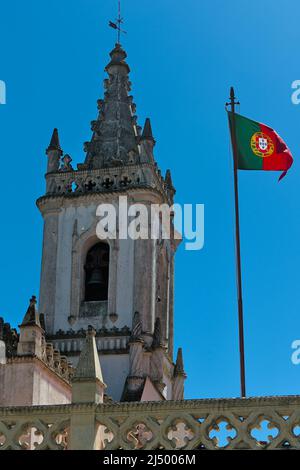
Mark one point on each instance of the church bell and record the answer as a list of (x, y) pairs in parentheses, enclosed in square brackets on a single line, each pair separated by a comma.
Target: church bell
[(96, 277)]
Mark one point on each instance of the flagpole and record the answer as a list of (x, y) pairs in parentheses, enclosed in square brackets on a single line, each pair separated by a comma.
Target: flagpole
[(232, 104)]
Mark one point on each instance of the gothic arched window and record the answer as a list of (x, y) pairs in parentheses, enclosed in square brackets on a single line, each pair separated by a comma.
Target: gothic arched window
[(97, 273)]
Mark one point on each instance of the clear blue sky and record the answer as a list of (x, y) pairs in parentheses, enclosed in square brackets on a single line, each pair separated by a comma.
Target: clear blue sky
[(184, 56)]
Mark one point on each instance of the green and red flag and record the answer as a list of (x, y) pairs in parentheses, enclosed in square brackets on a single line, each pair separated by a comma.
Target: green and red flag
[(258, 146)]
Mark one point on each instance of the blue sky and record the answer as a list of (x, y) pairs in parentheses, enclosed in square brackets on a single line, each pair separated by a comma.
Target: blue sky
[(184, 57)]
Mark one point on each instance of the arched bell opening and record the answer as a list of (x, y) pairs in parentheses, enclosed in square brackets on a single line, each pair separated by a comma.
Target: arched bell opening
[(97, 273)]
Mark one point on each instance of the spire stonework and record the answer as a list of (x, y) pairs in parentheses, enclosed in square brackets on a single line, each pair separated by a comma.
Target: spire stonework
[(114, 141)]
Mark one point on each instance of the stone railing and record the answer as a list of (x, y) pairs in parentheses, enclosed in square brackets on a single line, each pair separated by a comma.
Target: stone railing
[(252, 423), (77, 182)]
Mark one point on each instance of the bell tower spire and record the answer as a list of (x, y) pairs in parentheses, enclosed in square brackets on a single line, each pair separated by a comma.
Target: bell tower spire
[(115, 132), (121, 286)]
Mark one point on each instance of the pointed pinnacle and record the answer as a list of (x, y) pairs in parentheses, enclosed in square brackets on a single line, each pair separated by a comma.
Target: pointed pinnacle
[(156, 343), (31, 316), (168, 180), (179, 367), (54, 143), (89, 364), (147, 131)]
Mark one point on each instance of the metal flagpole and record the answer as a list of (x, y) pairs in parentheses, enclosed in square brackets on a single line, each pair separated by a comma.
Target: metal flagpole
[(232, 104)]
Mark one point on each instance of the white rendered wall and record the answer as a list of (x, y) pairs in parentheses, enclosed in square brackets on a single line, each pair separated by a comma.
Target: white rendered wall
[(123, 290)]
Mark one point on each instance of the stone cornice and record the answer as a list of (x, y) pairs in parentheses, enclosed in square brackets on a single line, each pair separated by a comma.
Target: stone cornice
[(104, 352), (55, 202), (193, 406), (104, 171), (70, 334), (213, 404)]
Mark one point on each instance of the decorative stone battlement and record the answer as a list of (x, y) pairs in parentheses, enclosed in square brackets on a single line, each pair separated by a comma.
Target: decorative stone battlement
[(109, 345), (114, 331), (57, 362), (75, 183), (107, 340)]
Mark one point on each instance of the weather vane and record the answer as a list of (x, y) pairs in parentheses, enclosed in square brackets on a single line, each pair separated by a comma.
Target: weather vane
[(117, 24)]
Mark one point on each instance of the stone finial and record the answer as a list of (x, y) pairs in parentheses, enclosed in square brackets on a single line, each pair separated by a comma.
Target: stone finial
[(89, 365), (54, 143), (118, 56), (147, 131), (31, 317), (31, 340), (54, 152), (179, 378), (169, 185), (87, 383), (179, 367), (156, 343), (168, 180)]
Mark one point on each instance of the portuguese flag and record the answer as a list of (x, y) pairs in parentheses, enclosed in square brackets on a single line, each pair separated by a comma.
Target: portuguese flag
[(259, 147)]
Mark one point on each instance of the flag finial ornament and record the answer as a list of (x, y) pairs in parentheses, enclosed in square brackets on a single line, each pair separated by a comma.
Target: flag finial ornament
[(117, 24)]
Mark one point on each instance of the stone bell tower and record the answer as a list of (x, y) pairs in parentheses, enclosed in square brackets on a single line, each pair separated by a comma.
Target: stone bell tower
[(121, 287)]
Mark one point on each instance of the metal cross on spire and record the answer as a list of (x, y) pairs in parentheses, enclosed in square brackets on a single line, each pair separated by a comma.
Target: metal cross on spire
[(117, 24)]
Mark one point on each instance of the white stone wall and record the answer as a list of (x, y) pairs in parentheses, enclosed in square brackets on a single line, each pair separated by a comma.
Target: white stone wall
[(121, 285), (137, 268)]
